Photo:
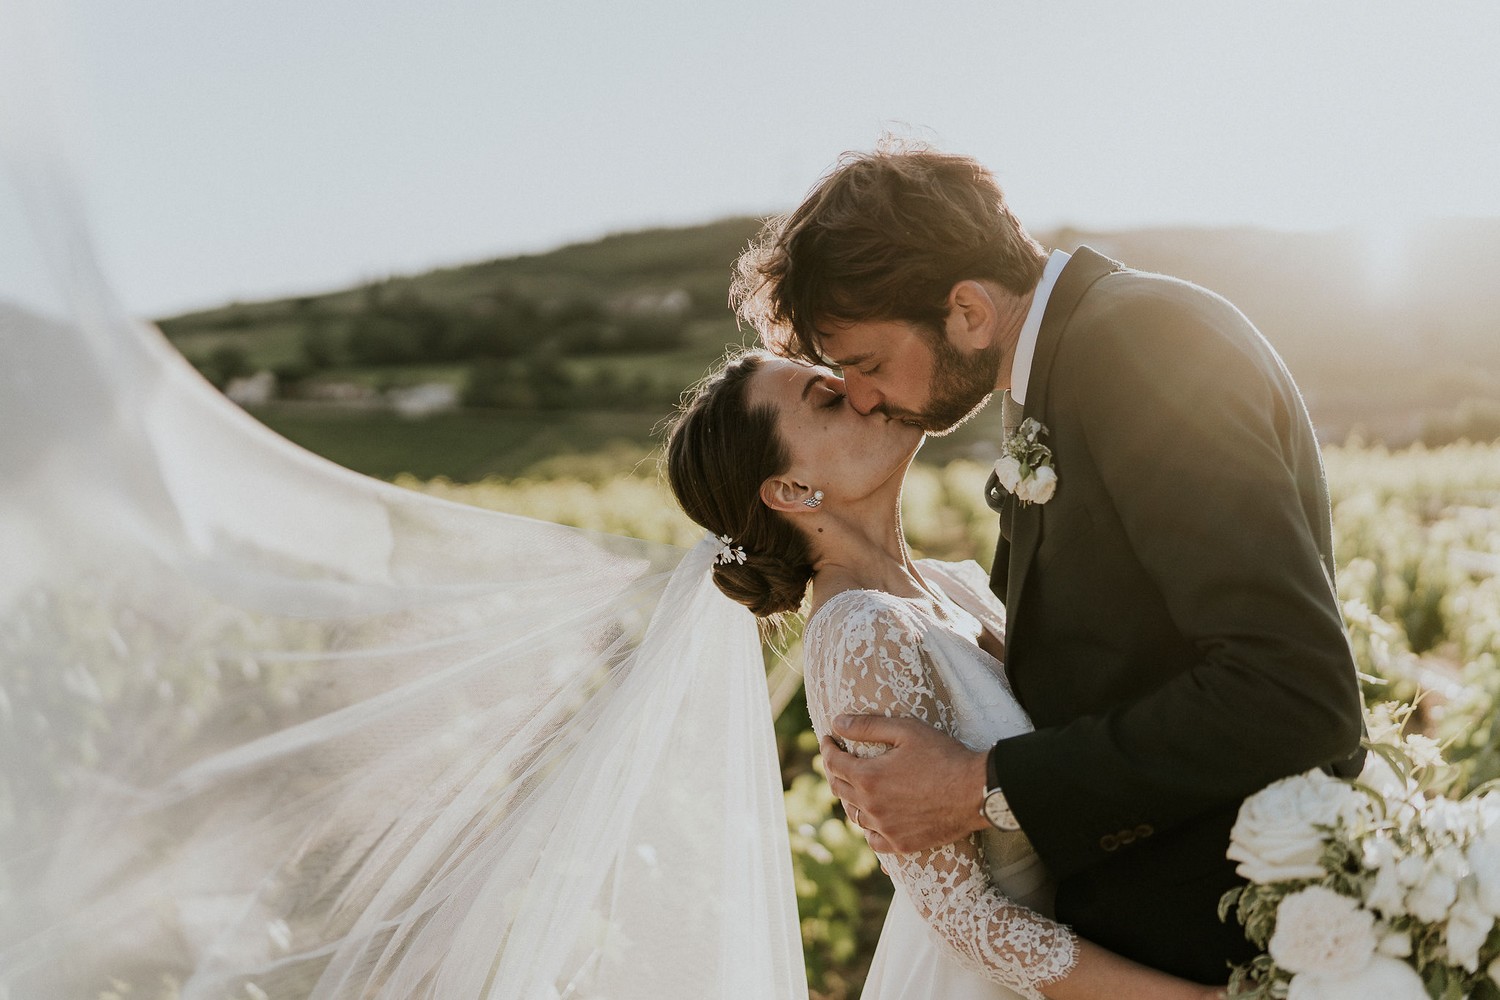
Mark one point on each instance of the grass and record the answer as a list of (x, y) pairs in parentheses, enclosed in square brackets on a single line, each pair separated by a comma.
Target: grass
[(669, 370), (466, 446), (391, 375)]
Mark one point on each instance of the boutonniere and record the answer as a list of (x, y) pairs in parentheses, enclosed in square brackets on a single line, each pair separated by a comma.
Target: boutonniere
[(1025, 464)]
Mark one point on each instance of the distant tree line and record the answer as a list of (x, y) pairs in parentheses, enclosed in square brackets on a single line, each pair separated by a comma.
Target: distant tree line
[(540, 380), (397, 326), (515, 346)]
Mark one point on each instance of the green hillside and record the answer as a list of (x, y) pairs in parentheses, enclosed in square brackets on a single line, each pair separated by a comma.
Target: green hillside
[(693, 260), (619, 326)]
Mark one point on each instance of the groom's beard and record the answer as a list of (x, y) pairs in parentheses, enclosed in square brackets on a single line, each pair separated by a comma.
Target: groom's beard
[(961, 385)]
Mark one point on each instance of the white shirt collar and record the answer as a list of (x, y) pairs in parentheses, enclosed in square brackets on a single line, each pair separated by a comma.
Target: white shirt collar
[(1020, 368)]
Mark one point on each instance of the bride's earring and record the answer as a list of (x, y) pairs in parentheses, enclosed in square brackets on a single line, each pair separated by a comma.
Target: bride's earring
[(815, 499)]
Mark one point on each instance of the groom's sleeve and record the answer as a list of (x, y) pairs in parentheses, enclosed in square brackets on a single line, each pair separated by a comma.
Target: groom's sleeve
[(1193, 427)]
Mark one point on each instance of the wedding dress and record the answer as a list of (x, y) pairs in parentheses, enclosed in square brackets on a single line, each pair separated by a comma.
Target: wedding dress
[(968, 921)]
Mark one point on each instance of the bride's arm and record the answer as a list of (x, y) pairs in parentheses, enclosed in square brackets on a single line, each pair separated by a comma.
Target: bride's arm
[(864, 656)]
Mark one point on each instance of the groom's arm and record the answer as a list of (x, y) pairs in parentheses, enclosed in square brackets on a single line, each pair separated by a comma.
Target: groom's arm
[(1191, 432)]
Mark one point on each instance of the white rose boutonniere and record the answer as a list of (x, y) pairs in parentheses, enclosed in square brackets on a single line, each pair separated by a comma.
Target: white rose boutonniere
[(1043, 484), (1025, 464), (1008, 471)]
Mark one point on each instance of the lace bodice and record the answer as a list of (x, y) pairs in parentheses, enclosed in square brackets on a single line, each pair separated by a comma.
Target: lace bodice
[(869, 652)]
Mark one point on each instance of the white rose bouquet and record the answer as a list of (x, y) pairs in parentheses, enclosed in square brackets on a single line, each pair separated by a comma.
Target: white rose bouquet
[(1371, 888)]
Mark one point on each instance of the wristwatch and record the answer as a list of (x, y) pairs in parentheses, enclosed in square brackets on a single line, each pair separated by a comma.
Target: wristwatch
[(996, 810)]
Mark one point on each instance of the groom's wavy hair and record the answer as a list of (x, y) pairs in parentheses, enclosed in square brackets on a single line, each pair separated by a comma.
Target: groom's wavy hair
[(719, 450), (884, 235)]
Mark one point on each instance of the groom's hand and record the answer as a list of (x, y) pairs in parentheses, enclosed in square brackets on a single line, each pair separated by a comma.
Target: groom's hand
[(924, 792)]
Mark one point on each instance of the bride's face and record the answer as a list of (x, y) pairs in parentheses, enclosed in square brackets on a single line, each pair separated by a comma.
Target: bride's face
[(834, 448)]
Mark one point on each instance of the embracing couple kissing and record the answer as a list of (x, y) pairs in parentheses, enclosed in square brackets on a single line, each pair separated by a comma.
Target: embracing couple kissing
[(1048, 758)]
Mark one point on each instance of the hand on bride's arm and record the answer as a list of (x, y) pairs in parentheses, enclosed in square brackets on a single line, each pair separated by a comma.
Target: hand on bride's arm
[(925, 791), (909, 782)]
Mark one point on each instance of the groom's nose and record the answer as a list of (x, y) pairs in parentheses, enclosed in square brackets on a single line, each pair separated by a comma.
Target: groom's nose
[(864, 397)]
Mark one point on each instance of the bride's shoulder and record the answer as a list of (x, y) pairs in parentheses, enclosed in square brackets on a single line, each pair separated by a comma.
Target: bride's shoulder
[(856, 631), (856, 603), (858, 614)]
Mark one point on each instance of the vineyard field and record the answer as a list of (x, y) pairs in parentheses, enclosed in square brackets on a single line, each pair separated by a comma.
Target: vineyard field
[(1418, 550)]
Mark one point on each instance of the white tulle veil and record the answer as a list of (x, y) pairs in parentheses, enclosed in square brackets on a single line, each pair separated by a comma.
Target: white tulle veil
[(269, 728)]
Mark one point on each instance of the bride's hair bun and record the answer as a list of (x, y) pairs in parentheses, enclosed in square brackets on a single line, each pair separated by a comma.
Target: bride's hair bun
[(766, 586), (719, 451)]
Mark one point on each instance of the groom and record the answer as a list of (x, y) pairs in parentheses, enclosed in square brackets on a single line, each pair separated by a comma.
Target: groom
[(1172, 628)]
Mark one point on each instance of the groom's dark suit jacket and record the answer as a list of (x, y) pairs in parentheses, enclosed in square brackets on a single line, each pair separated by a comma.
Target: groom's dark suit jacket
[(1172, 627)]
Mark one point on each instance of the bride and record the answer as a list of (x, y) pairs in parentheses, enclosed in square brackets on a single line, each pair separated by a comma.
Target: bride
[(802, 490)]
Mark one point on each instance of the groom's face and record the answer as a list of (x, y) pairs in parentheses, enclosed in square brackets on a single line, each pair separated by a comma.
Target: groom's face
[(906, 372)]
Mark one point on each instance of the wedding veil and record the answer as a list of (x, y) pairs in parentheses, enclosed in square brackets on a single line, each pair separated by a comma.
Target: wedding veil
[(269, 728)]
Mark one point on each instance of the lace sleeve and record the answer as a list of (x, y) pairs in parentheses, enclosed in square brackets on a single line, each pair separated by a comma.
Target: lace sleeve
[(864, 656)]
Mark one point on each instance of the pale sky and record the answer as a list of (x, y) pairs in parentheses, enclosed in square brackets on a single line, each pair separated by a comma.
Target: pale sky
[(246, 149)]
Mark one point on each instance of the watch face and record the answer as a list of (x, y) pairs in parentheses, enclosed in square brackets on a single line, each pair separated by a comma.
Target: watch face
[(997, 811), (995, 807)]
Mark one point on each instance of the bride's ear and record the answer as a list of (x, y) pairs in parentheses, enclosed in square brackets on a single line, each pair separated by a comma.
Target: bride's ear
[(785, 495)]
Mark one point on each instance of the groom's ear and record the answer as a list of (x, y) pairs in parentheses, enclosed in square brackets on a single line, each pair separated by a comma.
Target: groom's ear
[(784, 495), (970, 324)]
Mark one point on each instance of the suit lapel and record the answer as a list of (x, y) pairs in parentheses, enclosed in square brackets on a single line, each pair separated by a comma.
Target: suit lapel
[(1083, 269)]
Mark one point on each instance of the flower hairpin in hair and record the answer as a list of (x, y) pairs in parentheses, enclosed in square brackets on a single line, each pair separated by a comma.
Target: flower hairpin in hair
[(728, 551), (1025, 464)]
